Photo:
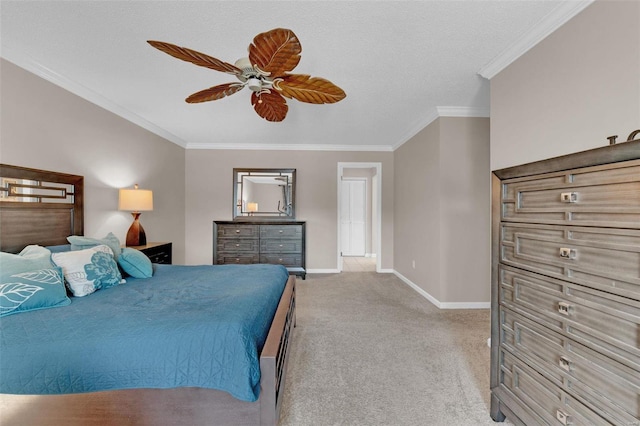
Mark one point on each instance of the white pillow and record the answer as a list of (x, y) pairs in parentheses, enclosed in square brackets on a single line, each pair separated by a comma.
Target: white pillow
[(88, 270)]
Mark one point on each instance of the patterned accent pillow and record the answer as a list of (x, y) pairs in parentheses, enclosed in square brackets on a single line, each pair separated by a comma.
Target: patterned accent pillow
[(30, 291), (88, 270)]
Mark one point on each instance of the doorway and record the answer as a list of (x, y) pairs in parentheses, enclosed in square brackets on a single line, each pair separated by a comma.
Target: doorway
[(353, 206), (353, 216)]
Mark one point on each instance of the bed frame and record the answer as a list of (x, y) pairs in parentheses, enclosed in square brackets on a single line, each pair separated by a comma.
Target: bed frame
[(42, 207)]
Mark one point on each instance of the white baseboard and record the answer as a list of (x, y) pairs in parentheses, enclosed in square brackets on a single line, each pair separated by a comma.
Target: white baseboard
[(322, 271), (335, 271), (439, 304)]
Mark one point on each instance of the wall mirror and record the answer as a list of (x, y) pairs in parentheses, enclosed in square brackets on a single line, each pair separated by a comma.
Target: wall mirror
[(264, 194)]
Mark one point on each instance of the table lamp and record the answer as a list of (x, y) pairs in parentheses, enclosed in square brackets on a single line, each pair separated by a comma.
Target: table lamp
[(136, 201)]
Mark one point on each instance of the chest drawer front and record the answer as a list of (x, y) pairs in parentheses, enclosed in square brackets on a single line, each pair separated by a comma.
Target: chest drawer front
[(603, 321), (238, 231), (602, 258), (237, 258), (281, 246), (605, 385), (280, 231), (240, 245), (282, 259), (595, 196), (550, 402)]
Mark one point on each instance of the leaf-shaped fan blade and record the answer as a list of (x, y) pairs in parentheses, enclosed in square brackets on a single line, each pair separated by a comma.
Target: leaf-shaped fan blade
[(270, 105), (276, 51), (314, 90), (214, 93), (195, 57)]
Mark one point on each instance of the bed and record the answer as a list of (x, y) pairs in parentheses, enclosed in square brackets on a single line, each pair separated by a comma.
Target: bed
[(137, 388)]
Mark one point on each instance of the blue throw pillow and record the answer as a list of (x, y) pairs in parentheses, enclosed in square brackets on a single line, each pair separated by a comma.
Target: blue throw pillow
[(80, 243), (135, 263), (31, 258), (30, 291)]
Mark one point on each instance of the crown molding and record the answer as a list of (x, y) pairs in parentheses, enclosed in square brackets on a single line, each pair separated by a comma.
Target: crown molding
[(453, 111), (442, 111), (551, 22), (429, 118), (28, 63), (289, 147)]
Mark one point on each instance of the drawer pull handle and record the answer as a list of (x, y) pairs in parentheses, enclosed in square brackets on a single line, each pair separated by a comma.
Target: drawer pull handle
[(237, 231), (565, 364), (564, 418), (280, 245), (569, 197), (568, 253), (237, 260), (237, 245), (564, 308), (280, 260), (281, 231)]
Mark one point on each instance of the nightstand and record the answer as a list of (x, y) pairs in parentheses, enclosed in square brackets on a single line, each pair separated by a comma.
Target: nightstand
[(157, 252)]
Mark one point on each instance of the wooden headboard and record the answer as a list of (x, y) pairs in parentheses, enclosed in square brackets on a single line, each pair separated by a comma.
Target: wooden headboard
[(39, 207)]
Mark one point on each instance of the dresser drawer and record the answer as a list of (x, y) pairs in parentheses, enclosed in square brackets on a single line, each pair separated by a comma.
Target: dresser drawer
[(240, 245), (238, 231), (281, 231), (602, 258), (281, 246), (593, 196), (236, 258), (606, 386), (284, 259), (599, 320), (551, 403)]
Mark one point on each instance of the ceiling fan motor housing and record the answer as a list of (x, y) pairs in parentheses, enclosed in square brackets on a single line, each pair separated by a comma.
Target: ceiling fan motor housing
[(255, 84)]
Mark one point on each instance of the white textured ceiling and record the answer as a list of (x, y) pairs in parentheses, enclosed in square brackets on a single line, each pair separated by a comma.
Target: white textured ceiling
[(398, 62)]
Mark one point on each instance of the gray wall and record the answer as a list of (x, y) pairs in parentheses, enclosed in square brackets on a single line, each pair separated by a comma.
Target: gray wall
[(46, 127), (209, 197), (442, 210), (572, 90)]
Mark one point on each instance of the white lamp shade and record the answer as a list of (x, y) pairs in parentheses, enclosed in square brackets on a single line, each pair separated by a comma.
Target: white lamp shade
[(135, 200)]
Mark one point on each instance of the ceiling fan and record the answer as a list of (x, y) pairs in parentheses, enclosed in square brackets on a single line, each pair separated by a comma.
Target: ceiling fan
[(272, 55)]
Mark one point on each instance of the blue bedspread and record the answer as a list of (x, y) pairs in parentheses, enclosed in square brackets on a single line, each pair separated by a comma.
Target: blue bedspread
[(201, 326)]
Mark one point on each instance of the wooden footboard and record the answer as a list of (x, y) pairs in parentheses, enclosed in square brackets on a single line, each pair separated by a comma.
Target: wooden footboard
[(274, 359)]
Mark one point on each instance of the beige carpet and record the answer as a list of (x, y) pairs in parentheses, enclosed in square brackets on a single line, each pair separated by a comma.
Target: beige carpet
[(368, 350)]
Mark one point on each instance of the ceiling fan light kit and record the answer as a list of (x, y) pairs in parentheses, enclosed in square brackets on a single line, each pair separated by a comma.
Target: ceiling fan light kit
[(272, 55)]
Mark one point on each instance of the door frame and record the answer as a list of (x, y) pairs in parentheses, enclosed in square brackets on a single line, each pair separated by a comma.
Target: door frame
[(378, 208)]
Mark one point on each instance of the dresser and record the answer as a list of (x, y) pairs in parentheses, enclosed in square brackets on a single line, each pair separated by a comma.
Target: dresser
[(157, 252), (565, 319), (246, 242)]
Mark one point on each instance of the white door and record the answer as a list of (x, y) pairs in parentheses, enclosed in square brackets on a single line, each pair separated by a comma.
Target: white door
[(353, 216)]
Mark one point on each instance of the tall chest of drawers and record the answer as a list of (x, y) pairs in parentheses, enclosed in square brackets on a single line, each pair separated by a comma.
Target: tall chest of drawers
[(565, 332), (275, 242)]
